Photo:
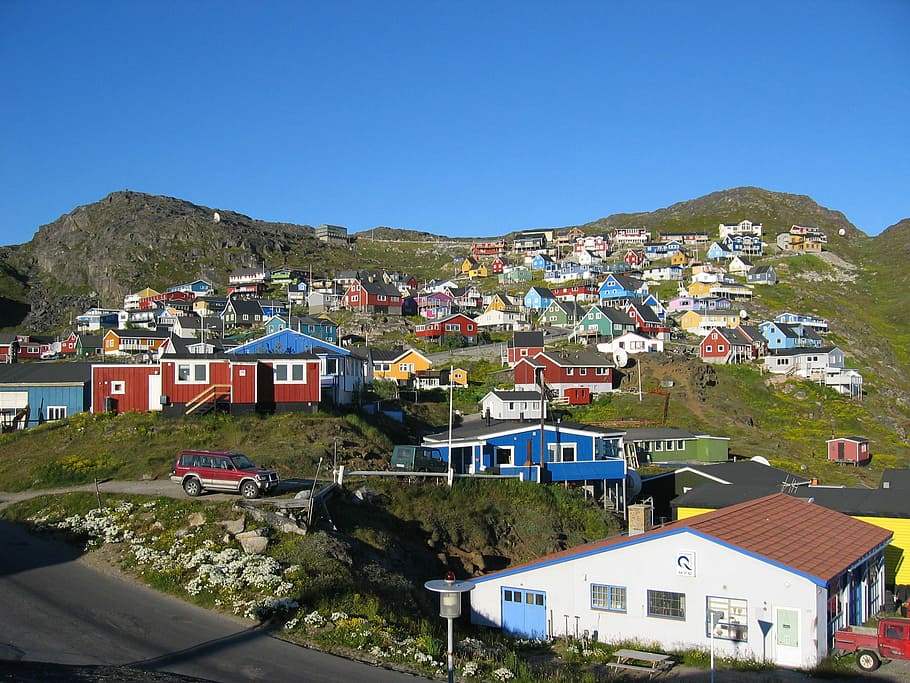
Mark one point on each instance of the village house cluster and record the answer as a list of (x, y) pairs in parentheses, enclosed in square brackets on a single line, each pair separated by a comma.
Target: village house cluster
[(696, 562)]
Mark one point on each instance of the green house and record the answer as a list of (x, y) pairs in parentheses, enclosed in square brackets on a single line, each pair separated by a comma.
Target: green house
[(604, 321), (674, 445), (562, 314)]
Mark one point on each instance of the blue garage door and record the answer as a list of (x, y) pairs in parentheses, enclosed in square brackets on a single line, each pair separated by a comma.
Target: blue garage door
[(524, 613)]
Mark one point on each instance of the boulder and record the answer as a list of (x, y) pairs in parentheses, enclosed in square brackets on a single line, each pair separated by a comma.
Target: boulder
[(234, 526), (195, 519)]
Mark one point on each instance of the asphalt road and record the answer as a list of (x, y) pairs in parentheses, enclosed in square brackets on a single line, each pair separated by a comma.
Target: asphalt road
[(58, 609)]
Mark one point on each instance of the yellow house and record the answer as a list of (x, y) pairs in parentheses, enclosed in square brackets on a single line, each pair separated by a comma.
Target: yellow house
[(480, 270), (400, 365), (500, 302), (699, 323), (679, 258), (885, 508), (700, 290)]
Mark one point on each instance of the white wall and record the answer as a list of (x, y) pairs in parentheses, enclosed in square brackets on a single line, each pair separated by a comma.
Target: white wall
[(651, 564)]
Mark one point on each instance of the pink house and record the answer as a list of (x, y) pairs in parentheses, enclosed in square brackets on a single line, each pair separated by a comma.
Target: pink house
[(851, 449)]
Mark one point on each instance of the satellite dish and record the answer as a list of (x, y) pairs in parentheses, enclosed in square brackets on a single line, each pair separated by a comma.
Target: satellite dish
[(744, 314), (841, 232), (621, 358), (633, 482), (761, 460), (216, 217)]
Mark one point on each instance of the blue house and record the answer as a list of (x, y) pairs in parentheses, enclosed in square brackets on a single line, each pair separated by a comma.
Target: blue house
[(321, 328), (197, 287), (717, 252), (784, 336), (538, 298), (622, 287), (540, 262), (34, 393), (817, 324), (343, 375), (573, 452)]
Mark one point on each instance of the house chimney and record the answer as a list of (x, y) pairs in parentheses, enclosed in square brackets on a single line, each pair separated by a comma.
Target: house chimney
[(641, 518)]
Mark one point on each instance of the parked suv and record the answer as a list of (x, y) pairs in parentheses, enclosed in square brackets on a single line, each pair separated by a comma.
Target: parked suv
[(199, 471)]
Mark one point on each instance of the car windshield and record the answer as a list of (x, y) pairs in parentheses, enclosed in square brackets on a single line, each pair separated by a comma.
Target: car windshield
[(241, 462)]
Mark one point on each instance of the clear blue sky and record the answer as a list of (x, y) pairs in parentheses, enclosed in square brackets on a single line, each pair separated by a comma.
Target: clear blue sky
[(459, 118)]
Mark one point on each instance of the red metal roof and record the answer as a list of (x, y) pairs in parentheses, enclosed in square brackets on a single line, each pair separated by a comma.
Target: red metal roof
[(781, 528)]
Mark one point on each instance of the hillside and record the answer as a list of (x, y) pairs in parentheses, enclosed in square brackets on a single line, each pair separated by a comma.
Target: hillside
[(101, 251)]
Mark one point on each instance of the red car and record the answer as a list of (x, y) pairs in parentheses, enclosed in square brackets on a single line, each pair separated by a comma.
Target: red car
[(199, 471)]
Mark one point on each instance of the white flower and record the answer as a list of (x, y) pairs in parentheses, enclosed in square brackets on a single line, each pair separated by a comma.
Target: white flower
[(503, 674)]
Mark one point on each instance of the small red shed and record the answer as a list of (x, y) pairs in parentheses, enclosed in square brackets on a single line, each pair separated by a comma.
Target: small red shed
[(851, 449)]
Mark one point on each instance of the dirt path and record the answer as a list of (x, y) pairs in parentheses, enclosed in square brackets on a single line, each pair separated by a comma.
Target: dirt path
[(151, 487)]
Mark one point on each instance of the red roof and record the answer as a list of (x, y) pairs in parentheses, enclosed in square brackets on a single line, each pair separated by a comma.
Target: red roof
[(783, 529)]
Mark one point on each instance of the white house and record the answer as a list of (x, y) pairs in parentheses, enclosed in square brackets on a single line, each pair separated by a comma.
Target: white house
[(632, 342), (778, 574), (500, 404)]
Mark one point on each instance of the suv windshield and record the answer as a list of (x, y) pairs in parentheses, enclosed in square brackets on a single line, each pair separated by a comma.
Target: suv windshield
[(241, 462)]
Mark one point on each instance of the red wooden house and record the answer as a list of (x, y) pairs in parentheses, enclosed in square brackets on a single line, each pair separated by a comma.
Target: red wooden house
[(647, 321), (372, 297), (147, 303), (498, 265), (852, 449), (457, 324), (635, 258), (122, 388), (576, 293), (240, 384), (725, 345), (522, 345), (576, 376)]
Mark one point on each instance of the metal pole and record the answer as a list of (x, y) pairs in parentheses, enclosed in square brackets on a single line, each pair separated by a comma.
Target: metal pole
[(451, 653)]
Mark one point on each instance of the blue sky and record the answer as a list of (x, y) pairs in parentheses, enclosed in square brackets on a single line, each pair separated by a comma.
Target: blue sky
[(459, 118)]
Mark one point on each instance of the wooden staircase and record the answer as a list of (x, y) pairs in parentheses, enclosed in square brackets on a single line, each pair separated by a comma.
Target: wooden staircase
[(206, 400)]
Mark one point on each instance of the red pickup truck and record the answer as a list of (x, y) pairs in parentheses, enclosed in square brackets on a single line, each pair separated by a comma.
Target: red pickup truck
[(889, 639)]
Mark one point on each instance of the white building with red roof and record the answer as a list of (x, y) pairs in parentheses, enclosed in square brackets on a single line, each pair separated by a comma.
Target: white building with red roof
[(779, 574)]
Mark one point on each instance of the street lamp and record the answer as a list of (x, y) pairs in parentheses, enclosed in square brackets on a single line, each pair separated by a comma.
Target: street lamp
[(450, 592), (715, 616)]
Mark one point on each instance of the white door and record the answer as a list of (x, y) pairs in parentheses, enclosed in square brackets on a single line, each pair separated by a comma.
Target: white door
[(154, 392), (786, 637)]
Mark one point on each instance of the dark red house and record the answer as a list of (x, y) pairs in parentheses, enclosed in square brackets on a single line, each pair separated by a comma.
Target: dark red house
[(457, 324), (522, 345), (850, 449)]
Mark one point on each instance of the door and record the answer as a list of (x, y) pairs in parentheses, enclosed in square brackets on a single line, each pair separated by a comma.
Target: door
[(524, 613), (155, 392), (787, 637)]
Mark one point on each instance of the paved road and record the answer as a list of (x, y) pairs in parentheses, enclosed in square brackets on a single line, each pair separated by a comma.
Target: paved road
[(57, 608)]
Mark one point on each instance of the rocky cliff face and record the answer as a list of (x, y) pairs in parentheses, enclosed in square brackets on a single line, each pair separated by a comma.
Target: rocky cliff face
[(98, 253)]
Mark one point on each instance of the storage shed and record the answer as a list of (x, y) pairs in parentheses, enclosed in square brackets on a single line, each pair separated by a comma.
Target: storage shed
[(850, 449)]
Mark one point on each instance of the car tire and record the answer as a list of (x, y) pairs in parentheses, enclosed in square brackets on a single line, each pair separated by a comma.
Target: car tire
[(192, 487), (249, 489), (867, 660)]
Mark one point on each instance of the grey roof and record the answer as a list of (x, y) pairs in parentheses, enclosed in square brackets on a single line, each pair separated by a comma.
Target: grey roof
[(142, 334), (526, 340), (516, 395), (850, 501), (385, 355), (803, 351), (894, 478), (580, 358), (45, 373)]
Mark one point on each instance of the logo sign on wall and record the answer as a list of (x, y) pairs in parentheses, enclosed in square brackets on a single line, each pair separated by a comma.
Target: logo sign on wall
[(685, 563)]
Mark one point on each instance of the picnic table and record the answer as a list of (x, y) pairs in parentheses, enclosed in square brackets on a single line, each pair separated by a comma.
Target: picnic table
[(637, 660)]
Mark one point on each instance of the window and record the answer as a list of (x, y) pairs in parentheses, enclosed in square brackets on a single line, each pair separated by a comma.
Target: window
[(669, 445), (731, 618), (720, 348), (331, 366), (561, 452), (680, 445), (56, 412), (658, 446), (503, 456), (118, 387), (192, 372), (708, 348), (610, 598), (666, 604)]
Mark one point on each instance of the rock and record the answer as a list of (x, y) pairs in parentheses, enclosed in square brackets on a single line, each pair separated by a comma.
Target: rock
[(195, 519), (233, 526), (253, 545)]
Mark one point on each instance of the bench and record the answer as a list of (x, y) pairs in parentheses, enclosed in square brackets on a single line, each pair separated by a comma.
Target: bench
[(651, 663)]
